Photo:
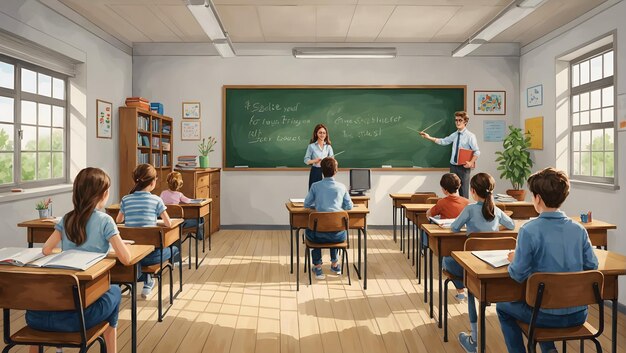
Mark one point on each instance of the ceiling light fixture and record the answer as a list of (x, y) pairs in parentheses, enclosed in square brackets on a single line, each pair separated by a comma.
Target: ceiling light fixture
[(205, 13), (344, 53), (505, 19)]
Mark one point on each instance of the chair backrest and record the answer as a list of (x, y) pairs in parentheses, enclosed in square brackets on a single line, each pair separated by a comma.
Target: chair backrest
[(30, 290), (433, 200), (499, 243), (564, 289), (175, 211), (143, 235), (421, 197), (328, 221)]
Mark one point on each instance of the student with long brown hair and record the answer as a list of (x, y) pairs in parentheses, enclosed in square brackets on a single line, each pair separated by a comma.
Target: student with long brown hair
[(85, 228), (319, 148)]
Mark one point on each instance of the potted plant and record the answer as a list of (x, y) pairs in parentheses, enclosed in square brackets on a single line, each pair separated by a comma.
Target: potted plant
[(43, 207), (514, 162), (204, 148)]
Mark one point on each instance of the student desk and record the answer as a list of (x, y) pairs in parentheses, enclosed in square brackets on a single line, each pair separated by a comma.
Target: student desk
[(520, 209), (37, 230), (299, 219), (360, 200), (416, 213), (492, 285)]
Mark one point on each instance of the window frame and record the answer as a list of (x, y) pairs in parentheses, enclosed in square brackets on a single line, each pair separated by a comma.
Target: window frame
[(588, 88), (18, 95)]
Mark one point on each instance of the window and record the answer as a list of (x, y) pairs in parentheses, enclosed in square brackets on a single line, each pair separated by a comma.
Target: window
[(33, 121), (592, 113)]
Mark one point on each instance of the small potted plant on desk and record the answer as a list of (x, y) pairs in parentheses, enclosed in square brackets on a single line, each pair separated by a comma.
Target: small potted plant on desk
[(43, 207), (204, 148), (514, 162)]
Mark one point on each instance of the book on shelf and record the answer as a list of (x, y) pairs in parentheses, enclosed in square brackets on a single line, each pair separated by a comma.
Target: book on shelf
[(442, 222), (495, 258), (33, 257)]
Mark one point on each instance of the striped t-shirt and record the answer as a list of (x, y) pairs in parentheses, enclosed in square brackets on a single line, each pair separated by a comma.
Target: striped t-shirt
[(141, 209)]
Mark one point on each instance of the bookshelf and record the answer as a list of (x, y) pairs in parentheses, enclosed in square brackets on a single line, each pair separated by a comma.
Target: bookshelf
[(145, 137)]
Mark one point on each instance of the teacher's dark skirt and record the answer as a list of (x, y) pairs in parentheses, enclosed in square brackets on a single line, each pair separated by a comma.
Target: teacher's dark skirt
[(315, 175)]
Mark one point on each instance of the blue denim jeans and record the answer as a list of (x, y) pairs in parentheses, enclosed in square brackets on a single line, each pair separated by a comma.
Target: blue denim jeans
[(510, 312), (450, 265), (106, 308), (321, 237), (188, 223)]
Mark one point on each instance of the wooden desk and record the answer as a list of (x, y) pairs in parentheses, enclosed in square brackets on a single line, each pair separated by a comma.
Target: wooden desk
[(397, 200), (416, 213), (360, 200), (37, 230), (520, 209), (492, 285), (299, 219)]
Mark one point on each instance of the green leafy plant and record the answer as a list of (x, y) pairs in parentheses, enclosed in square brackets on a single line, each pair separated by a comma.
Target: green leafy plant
[(43, 204), (207, 145), (514, 162)]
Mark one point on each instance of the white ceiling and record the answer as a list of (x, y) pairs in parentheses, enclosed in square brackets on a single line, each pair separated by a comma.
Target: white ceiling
[(324, 21)]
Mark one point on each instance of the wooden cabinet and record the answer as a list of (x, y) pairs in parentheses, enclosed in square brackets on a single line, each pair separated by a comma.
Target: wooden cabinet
[(203, 183), (145, 137)]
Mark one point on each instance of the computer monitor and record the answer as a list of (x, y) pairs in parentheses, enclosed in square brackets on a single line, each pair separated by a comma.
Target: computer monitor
[(360, 181)]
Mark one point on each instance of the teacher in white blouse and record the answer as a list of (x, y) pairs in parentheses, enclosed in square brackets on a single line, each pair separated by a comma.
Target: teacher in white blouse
[(318, 149)]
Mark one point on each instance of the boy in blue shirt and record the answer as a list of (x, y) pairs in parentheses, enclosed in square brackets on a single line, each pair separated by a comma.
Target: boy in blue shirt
[(551, 243), (327, 195)]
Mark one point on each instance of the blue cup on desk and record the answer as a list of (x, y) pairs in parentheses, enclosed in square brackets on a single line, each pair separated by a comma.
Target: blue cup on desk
[(583, 217)]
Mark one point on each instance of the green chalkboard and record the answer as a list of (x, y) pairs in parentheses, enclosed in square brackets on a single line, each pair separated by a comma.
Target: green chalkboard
[(271, 126)]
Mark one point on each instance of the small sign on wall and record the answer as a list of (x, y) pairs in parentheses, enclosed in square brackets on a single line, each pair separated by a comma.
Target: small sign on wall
[(190, 130), (494, 130), (534, 128)]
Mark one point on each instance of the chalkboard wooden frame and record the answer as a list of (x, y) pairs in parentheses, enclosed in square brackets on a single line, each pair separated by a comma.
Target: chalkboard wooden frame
[(329, 87)]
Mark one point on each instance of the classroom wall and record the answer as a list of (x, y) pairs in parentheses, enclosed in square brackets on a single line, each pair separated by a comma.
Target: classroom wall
[(106, 75), (258, 197), (539, 67)]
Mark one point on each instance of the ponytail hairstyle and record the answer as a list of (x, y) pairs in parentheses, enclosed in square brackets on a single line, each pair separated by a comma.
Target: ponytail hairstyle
[(483, 185), (174, 181), (89, 188), (316, 129), (143, 175)]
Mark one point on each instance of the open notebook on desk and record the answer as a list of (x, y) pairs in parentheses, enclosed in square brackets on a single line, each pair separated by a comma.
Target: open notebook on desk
[(495, 258), (196, 201), (297, 202), (70, 259), (442, 222)]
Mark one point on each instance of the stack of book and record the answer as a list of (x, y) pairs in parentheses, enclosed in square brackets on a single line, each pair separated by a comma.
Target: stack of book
[(186, 162), (138, 102), (504, 198)]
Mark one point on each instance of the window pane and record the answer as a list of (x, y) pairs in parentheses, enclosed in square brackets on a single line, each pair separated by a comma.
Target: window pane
[(608, 64), (597, 140), (596, 68), (29, 81), (584, 72), (58, 88), (596, 116), (45, 85), (45, 114), (584, 101), (597, 164), (57, 164), (58, 116), (576, 119), (575, 75), (607, 114), (28, 166), (607, 97), (6, 110), (7, 135), (29, 112), (7, 75), (45, 142), (6, 168), (584, 118), (608, 139), (596, 97), (29, 138), (585, 163), (609, 164), (576, 141), (585, 140), (44, 166), (576, 103), (576, 162), (57, 139)]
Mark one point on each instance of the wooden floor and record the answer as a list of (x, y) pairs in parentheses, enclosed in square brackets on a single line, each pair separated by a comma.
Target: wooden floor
[(243, 299)]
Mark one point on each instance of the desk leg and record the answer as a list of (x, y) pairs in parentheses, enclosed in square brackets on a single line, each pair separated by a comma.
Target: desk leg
[(203, 238), (418, 260), (430, 265), (402, 229), (395, 222), (291, 247), (439, 261), (428, 251), (297, 259), (133, 308), (408, 239), (364, 257), (614, 325), (209, 232), (482, 339)]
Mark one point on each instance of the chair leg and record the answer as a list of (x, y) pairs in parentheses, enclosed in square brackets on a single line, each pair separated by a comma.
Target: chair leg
[(309, 263), (347, 267), (564, 346), (582, 346), (160, 296), (598, 345), (7, 348), (445, 309), (171, 270), (343, 252), (103, 344)]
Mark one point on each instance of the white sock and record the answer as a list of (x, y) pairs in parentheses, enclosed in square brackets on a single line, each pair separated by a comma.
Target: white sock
[(474, 328)]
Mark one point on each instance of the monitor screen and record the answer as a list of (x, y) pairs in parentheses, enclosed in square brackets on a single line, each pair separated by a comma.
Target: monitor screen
[(359, 180)]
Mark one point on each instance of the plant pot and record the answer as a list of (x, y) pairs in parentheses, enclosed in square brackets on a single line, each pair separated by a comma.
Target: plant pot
[(204, 161), (519, 195), (45, 213)]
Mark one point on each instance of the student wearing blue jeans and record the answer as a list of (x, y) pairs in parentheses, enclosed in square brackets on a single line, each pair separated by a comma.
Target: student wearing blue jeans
[(327, 195), (550, 243)]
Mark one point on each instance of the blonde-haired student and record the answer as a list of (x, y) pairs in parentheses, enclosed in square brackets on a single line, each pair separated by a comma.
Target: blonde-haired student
[(85, 228), (482, 216), (173, 197), (140, 208)]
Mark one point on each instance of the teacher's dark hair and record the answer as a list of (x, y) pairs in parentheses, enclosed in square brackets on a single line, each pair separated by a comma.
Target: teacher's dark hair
[(317, 128), (483, 185), (551, 184), (329, 167), (462, 114)]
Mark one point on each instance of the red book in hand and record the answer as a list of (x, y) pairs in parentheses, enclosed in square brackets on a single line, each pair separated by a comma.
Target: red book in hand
[(464, 156)]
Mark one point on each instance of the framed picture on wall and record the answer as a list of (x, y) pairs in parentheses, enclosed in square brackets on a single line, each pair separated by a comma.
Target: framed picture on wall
[(534, 96), (191, 110), (104, 119), (190, 130), (489, 102)]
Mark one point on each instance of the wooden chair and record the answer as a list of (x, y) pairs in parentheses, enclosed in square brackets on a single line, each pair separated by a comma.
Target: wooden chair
[(51, 291), (328, 222), (562, 290), (433, 200), (175, 211), (476, 241), (418, 197)]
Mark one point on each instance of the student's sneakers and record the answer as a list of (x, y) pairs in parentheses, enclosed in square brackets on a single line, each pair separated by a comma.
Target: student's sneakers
[(148, 284), (336, 269), (319, 274), (467, 342), (460, 297)]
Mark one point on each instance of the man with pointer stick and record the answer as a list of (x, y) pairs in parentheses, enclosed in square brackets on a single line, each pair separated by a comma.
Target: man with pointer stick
[(463, 143)]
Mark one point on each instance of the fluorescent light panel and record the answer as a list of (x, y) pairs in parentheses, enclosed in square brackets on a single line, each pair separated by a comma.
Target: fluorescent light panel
[(207, 17), (344, 53)]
